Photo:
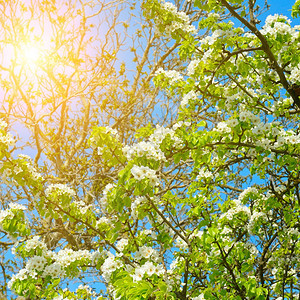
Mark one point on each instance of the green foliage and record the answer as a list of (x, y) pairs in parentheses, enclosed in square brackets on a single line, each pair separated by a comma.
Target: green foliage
[(202, 206), (296, 9)]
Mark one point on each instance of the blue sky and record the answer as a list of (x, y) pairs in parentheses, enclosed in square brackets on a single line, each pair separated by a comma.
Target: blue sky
[(280, 7)]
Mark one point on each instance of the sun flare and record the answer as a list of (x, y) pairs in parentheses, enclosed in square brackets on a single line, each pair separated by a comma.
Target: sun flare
[(30, 54)]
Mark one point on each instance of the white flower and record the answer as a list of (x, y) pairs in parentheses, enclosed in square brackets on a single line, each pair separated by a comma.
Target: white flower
[(200, 297), (60, 189), (138, 275), (82, 207), (6, 214), (135, 204), (103, 220), (188, 97), (65, 257), (192, 67), (278, 24), (22, 275), (170, 7), (139, 173), (161, 133), (7, 139), (110, 264), (105, 192), (172, 75), (149, 149), (232, 122), (180, 243), (87, 289), (148, 268), (254, 217), (183, 23), (121, 244), (112, 131), (238, 208), (36, 263), (246, 192), (204, 174), (35, 243), (145, 252), (54, 270), (259, 129), (3, 124), (222, 127)]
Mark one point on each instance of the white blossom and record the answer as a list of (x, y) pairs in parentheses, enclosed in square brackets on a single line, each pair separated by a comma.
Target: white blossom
[(60, 189), (149, 149), (54, 270), (35, 243), (172, 75), (142, 172), (192, 67), (36, 263)]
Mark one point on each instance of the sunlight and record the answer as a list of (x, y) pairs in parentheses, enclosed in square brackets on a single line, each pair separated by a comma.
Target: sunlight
[(30, 54)]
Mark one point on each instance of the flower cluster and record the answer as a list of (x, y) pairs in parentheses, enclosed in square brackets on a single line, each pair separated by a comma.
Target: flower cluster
[(253, 220), (65, 257), (88, 292), (7, 216), (21, 275), (34, 244), (237, 209), (191, 69), (121, 244), (248, 191), (142, 172), (112, 131), (135, 204), (295, 75), (103, 221), (219, 33), (179, 124), (54, 270), (105, 192), (110, 265), (32, 170), (82, 207), (36, 263), (4, 214), (181, 21), (5, 137), (223, 127), (149, 149), (60, 189), (190, 96), (148, 268), (49, 264), (278, 25), (203, 173), (172, 75), (147, 252), (160, 133)]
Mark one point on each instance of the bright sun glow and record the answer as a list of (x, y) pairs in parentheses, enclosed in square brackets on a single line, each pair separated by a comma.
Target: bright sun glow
[(30, 54)]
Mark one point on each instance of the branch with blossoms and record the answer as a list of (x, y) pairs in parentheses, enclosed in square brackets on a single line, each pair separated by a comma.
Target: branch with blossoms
[(267, 49)]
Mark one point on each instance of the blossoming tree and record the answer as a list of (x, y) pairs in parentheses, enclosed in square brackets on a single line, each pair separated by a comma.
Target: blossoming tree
[(201, 204)]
